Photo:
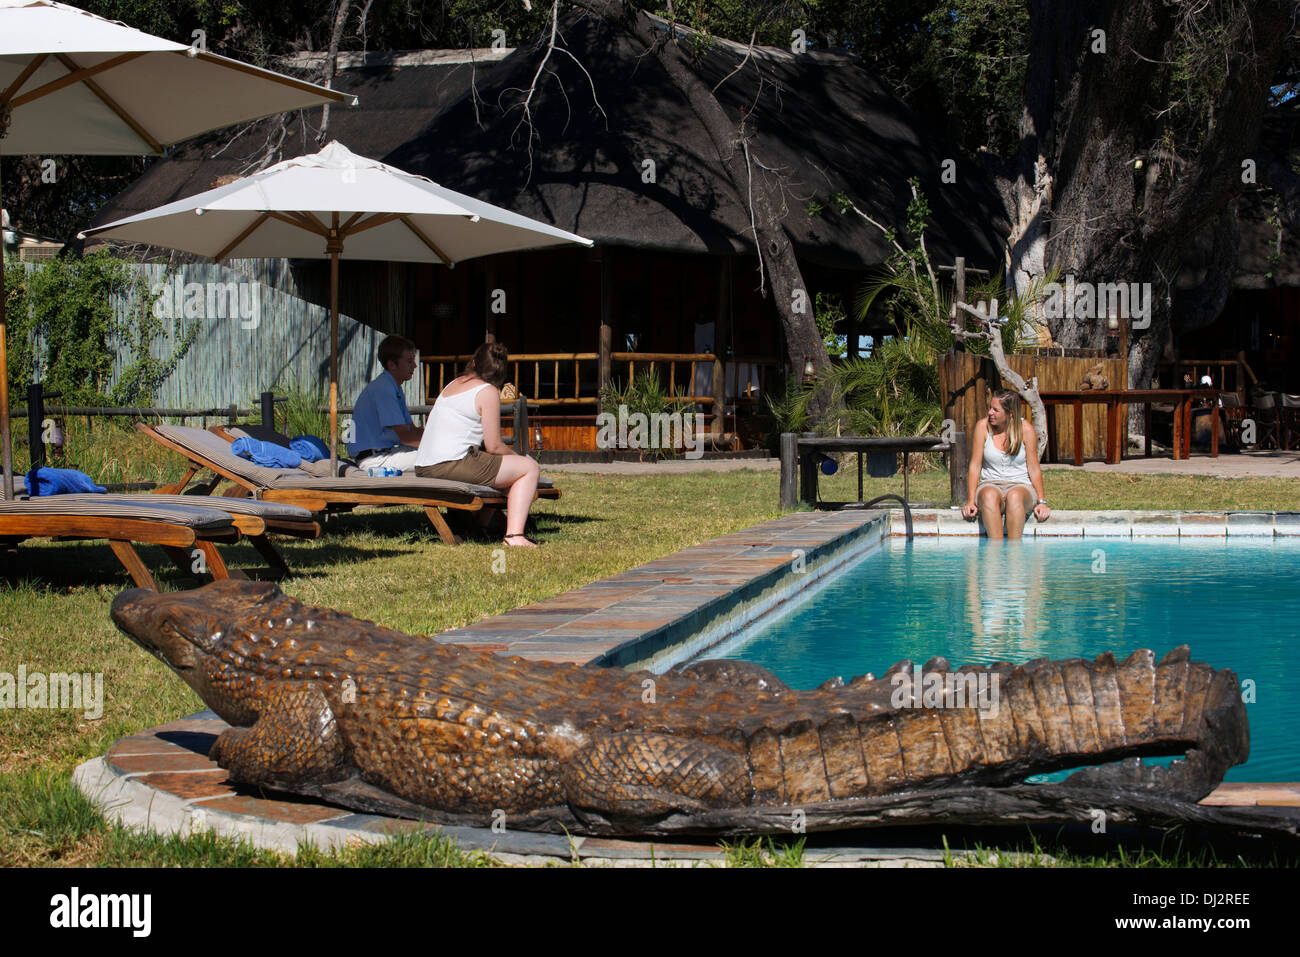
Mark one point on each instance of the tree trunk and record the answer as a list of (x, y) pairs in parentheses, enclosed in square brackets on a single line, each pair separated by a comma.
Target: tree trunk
[(782, 276), (1078, 197)]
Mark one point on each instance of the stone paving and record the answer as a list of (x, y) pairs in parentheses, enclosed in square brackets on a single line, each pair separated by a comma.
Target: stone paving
[(1273, 464), (631, 618), (161, 779)]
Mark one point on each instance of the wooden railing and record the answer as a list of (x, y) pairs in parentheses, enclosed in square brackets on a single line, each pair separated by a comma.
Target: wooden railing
[(573, 378), (1226, 373)]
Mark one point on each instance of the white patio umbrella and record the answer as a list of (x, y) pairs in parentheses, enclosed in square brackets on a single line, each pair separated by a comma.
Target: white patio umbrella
[(338, 205), (75, 83)]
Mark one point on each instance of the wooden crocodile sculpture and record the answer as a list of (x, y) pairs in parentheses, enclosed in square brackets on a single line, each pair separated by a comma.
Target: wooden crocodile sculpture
[(331, 706)]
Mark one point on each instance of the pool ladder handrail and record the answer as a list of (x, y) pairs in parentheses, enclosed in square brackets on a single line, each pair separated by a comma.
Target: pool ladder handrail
[(907, 509)]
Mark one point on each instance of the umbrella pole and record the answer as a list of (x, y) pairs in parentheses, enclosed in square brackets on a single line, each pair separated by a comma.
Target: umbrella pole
[(6, 448), (335, 247)]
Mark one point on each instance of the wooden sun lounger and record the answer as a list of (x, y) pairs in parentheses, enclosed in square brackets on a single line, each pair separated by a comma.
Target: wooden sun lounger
[(255, 520), (179, 530), (206, 451)]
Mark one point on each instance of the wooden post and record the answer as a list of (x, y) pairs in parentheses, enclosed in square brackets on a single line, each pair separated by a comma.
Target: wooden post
[(35, 415), (959, 280), (605, 343), (520, 425), (721, 341), (808, 476), (490, 317), (789, 482), (268, 410), (958, 464)]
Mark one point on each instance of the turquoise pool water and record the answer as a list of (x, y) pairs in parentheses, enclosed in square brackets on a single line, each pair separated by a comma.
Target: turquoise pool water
[(1236, 603)]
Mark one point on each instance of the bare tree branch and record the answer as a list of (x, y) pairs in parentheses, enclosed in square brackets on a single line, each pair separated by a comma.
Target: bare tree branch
[(332, 62), (990, 329)]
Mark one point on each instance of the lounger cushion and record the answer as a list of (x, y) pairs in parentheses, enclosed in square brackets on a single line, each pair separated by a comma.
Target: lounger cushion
[(217, 450), (238, 506), (109, 506)]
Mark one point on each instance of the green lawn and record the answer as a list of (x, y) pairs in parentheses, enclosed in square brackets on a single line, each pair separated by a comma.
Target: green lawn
[(386, 565)]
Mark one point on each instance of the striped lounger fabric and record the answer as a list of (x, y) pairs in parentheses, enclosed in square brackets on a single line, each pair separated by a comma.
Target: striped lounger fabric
[(181, 530)]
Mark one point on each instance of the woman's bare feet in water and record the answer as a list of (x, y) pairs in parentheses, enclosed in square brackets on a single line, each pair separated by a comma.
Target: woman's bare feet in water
[(520, 541)]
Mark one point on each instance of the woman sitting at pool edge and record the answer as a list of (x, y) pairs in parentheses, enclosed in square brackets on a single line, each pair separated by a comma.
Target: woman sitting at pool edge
[(1004, 477), (467, 414)]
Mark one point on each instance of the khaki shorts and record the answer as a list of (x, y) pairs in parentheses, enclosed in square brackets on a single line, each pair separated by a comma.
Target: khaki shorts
[(476, 468), (1004, 488)]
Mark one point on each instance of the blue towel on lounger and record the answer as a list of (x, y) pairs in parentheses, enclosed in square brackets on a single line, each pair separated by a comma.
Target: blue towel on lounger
[(310, 448), (266, 454), (48, 481)]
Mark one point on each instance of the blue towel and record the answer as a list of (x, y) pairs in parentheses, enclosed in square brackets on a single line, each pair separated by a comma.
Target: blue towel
[(48, 481), (268, 454), (310, 448)]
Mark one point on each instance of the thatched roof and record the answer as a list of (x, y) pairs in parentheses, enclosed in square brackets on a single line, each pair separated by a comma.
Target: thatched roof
[(819, 120)]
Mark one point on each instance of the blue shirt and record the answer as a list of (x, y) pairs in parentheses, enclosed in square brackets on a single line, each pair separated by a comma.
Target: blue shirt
[(381, 405)]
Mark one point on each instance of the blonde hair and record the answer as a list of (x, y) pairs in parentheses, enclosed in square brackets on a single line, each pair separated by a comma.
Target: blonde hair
[(1010, 402)]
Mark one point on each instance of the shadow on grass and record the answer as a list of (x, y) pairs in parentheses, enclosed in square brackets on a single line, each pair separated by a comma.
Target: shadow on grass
[(70, 565), (1073, 845), (414, 526)]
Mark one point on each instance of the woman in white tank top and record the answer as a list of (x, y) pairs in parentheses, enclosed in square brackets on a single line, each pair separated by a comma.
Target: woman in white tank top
[(466, 415), (1004, 476)]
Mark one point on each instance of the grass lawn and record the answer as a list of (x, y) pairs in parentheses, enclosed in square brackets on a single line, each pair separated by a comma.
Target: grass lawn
[(386, 565)]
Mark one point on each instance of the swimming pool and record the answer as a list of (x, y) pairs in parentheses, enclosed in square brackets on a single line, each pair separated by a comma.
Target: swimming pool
[(1236, 603)]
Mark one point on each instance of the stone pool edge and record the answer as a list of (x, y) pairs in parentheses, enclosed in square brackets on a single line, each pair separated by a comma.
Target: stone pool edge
[(931, 523), (667, 610)]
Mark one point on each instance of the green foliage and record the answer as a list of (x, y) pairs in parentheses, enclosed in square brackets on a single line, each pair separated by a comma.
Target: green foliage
[(645, 393), (828, 310), (896, 390), (758, 853), (301, 413), (788, 410), (61, 319)]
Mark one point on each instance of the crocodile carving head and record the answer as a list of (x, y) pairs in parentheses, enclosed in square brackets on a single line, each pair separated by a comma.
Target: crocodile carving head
[(324, 704)]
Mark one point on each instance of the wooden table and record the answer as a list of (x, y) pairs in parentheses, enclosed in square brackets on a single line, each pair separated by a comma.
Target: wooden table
[(799, 461), (1116, 402)]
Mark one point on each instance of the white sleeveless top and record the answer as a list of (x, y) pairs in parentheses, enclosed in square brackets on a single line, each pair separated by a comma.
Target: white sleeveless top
[(998, 466), (454, 427)]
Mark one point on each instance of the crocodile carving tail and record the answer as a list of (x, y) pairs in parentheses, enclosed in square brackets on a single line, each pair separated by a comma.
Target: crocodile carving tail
[(335, 707)]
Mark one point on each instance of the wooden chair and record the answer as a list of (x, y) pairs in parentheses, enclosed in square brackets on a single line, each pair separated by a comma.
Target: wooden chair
[(1289, 421), (1268, 433), (1233, 414)]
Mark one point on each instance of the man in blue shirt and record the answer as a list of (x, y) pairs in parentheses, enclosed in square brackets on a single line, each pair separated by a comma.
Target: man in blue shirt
[(383, 434)]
